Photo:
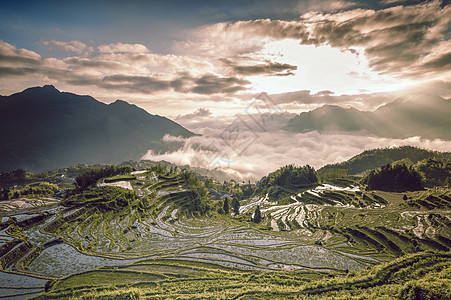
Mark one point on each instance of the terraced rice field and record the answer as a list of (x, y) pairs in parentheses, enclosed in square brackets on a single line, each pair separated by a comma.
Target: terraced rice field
[(326, 229), (176, 279)]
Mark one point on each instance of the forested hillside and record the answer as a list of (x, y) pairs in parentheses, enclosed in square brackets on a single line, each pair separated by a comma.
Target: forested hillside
[(375, 158)]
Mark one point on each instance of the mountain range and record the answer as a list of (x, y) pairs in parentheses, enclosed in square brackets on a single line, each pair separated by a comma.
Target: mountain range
[(42, 128), (421, 115)]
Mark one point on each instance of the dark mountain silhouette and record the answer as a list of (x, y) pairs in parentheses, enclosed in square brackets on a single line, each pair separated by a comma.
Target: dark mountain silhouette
[(42, 128), (375, 158), (424, 116)]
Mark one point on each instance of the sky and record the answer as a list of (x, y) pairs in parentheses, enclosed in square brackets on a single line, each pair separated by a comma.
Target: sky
[(211, 64)]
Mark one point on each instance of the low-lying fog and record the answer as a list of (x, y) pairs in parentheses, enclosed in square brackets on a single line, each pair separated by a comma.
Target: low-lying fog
[(248, 147)]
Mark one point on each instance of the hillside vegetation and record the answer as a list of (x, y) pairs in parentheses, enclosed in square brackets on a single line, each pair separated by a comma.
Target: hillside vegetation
[(396, 178), (419, 276), (403, 175), (282, 182), (376, 158)]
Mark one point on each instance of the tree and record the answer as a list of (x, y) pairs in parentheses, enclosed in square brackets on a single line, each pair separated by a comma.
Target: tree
[(19, 174), (225, 207), (236, 206), (257, 215), (398, 178), (5, 194), (277, 183), (90, 177)]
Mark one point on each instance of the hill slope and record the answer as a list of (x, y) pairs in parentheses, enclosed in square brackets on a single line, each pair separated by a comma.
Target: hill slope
[(416, 276), (425, 116), (43, 128), (372, 159)]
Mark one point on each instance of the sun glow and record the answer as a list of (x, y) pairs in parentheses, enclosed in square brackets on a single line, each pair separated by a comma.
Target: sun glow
[(322, 68)]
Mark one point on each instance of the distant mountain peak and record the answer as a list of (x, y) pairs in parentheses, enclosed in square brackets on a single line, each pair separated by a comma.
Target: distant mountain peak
[(50, 87), (421, 115), (119, 101), (123, 103), (40, 91), (43, 128)]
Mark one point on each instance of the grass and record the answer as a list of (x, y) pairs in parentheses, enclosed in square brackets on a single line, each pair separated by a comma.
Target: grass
[(120, 178), (423, 274)]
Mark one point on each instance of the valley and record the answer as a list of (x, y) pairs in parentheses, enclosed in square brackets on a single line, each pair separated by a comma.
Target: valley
[(142, 231)]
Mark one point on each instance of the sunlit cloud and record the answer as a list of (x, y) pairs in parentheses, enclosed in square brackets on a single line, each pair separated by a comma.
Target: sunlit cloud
[(207, 73), (397, 41), (69, 46), (337, 46), (387, 2), (123, 48), (270, 150), (267, 68)]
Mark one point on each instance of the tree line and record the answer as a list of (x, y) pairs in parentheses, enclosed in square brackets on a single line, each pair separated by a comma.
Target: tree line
[(90, 177), (280, 184)]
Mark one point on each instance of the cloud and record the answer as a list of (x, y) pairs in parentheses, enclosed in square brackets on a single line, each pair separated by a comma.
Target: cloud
[(128, 74), (230, 58), (401, 40), (388, 2), (151, 62), (69, 46), (13, 56), (12, 72), (86, 63), (122, 48), (170, 139), (398, 40), (237, 39), (264, 152), (200, 113), (340, 5), (213, 84), (17, 63), (267, 68), (149, 84), (134, 84), (438, 87), (249, 145), (305, 100)]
